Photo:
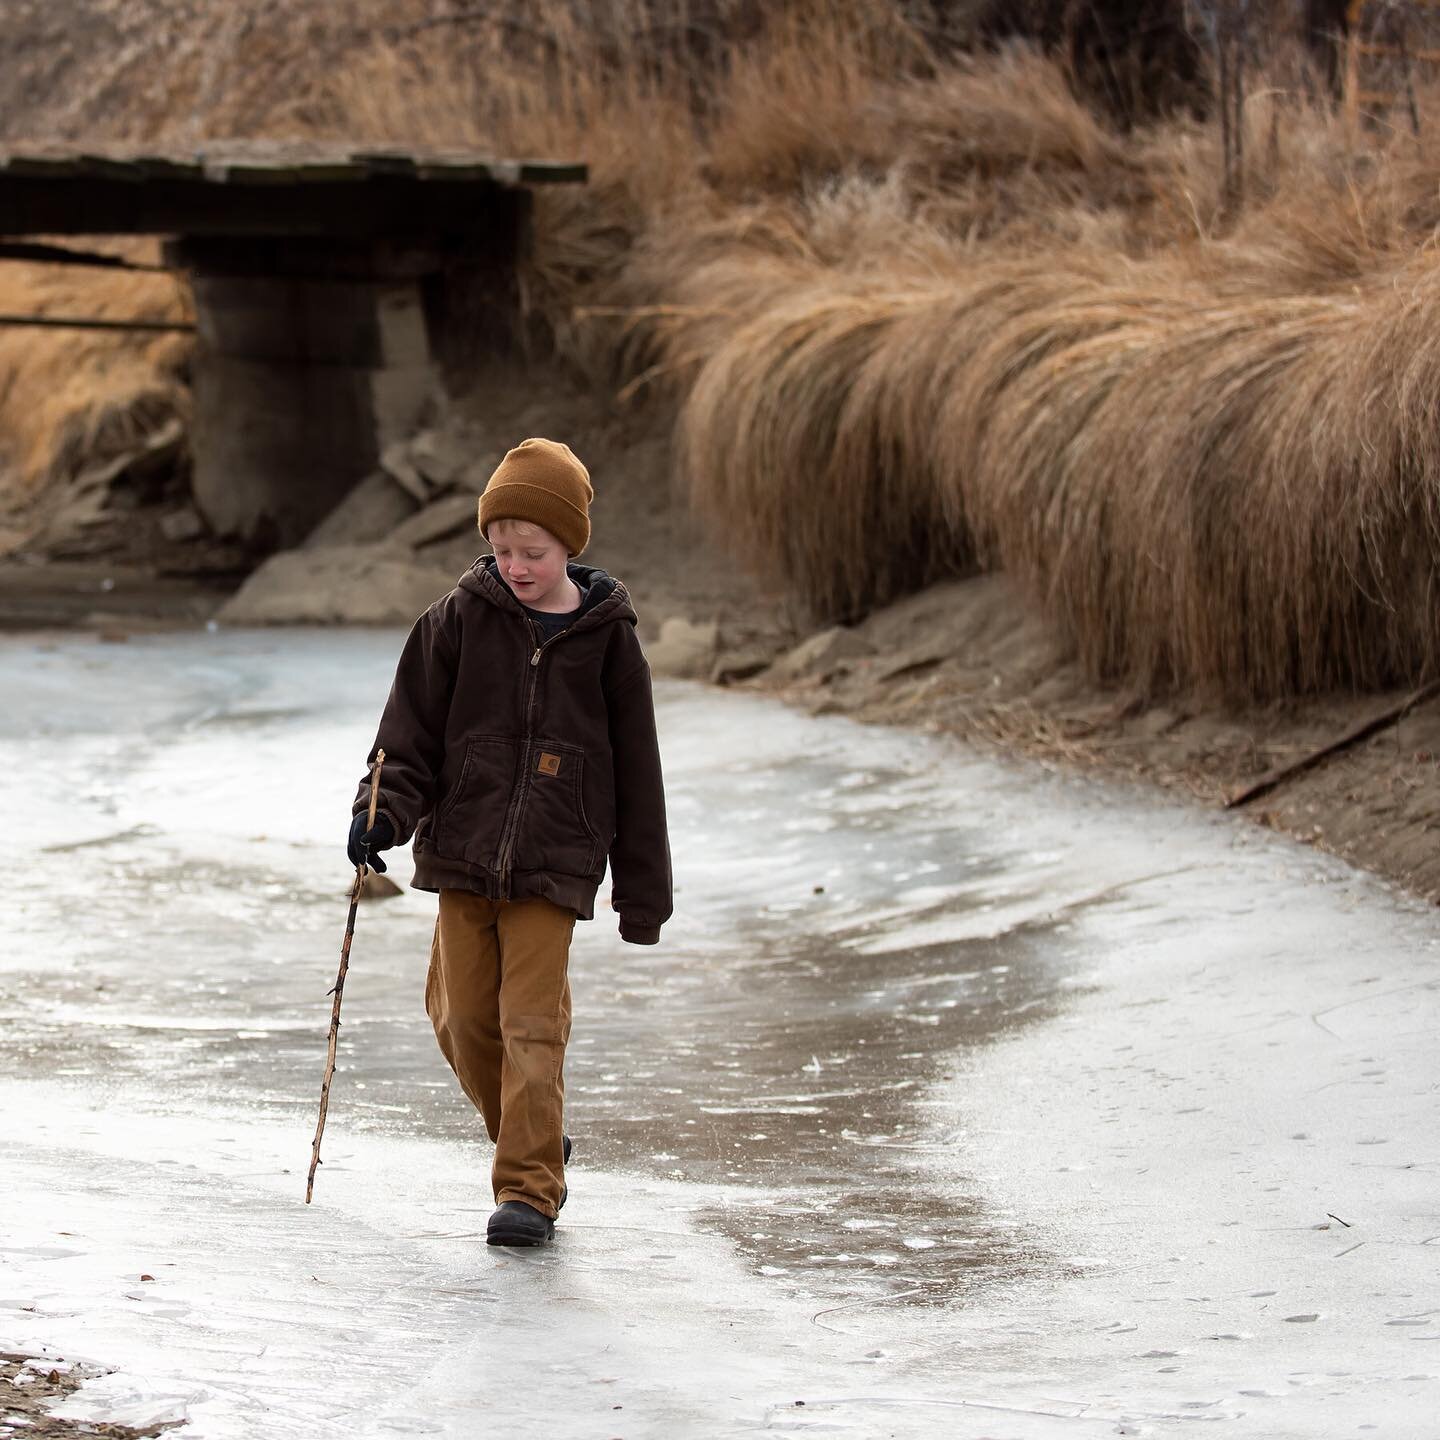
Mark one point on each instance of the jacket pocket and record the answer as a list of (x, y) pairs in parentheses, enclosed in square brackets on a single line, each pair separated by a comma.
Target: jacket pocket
[(555, 834), (471, 817)]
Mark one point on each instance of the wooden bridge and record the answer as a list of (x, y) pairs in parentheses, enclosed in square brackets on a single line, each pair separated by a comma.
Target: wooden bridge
[(322, 278)]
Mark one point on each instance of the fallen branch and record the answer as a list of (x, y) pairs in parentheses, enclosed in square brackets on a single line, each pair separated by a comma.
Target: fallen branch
[(95, 322), (1363, 731), (42, 254)]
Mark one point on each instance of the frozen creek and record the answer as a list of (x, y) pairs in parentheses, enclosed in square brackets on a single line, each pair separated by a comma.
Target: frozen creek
[(959, 1100)]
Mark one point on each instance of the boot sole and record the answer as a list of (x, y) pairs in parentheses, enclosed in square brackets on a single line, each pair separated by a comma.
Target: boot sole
[(522, 1238)]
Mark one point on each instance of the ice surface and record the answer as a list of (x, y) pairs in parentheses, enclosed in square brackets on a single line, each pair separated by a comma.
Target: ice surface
[(959, 1100)]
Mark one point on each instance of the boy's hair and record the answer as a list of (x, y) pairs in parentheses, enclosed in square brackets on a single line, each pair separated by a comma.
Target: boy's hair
[(523, 528)]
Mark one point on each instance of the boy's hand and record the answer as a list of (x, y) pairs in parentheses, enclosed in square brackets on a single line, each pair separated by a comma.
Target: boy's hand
[(382, 837)]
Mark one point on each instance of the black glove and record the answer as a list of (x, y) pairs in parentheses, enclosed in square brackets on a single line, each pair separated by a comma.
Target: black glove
[(382, 837)]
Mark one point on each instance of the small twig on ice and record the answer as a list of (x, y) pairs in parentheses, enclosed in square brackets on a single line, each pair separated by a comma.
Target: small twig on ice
[(858, 1304)]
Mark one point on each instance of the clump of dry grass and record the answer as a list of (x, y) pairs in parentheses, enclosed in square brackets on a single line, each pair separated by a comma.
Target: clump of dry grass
[(1086, 497), (807, 102), (821, 431), (778, 486), (68, 395), (1240, 496), (1205, 451)]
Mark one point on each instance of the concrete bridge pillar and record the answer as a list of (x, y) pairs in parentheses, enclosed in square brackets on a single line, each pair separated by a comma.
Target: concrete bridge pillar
[(313, 356)]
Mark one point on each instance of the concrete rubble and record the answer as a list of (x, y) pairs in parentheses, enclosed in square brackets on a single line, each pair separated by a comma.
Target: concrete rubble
[(382, 584), (685, 650), (117, 480), (820, 655), (366, 562)]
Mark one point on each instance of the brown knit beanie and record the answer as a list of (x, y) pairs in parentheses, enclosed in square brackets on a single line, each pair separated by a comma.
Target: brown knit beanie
[(541, 481)]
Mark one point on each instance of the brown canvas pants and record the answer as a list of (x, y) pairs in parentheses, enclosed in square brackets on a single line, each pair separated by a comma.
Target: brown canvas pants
[(498, 994)]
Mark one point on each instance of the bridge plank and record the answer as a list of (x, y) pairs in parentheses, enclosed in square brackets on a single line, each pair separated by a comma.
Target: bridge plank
[(41, 166), (303, 189), (170, 167), (108, 167)]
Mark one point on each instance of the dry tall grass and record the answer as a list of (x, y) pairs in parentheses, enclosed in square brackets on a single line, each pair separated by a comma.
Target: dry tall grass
[(1238, 493), (1207, 453), (67, 396), (916, 316)]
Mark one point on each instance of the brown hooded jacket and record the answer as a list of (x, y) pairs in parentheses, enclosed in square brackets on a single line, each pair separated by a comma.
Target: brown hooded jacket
[(521, 766)]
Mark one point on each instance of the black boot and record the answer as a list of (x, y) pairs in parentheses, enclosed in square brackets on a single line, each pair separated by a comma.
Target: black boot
[(516, 1223)]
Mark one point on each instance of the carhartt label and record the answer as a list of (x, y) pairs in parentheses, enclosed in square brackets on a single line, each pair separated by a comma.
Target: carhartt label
[(548, 764)]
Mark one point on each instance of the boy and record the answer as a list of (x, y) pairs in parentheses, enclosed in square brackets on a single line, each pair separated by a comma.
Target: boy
[(520, 752)]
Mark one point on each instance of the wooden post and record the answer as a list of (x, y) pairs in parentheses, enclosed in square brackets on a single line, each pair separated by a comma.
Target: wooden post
[(1352, 66), (313, 357)]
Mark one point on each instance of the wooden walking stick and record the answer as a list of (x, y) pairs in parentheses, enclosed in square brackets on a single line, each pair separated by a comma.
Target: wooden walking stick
[(361, 871)]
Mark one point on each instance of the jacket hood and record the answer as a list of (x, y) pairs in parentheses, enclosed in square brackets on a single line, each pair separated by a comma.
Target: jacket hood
[(602, 596)]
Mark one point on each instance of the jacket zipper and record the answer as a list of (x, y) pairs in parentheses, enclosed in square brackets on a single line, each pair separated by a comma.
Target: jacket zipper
[(517, 803)]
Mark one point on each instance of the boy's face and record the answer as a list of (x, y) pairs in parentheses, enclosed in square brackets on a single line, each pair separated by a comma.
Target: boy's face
[(531, 562)]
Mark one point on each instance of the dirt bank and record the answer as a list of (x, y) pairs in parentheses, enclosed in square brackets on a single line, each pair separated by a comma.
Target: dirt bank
[(33, 1384), (964, 658)]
